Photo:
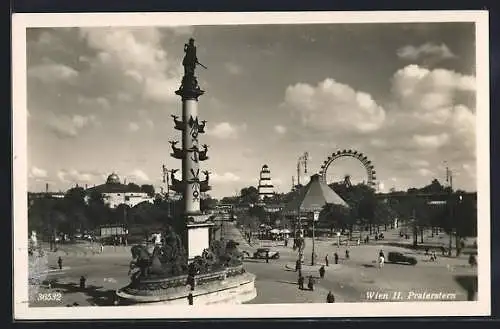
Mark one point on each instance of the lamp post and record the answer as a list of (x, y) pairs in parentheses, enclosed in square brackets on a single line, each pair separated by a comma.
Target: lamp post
[(315, 218)]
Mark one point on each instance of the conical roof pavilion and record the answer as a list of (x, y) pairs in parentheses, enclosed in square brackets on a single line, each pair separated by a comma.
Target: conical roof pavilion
[(314, 196)]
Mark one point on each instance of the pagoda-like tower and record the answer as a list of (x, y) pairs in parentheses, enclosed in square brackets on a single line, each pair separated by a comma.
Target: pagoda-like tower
[(191, 153), (265, 187)]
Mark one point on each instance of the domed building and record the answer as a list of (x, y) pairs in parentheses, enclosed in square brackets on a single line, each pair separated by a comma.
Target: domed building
[(114, 193)]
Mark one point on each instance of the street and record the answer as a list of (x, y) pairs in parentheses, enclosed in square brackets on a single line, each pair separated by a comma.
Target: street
[(353, 280)]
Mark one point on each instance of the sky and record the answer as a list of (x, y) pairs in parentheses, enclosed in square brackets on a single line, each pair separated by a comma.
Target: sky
[(100, 101)]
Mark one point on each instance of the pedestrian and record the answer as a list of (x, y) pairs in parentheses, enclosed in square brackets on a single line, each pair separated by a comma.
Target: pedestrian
[(472, 260), (336, 256), (267, 256), (310, 283), (381, 259), (330, 298), (59, 262), (102, 248), (301, 282), (297, 265), (190, 299), (358, 242), (326, 260), (346, 254), (322, 272), (82, 282)]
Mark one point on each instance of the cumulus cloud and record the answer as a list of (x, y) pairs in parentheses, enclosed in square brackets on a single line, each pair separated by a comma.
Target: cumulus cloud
[(428, 117), (428, 49), (76, 176), (69, 126), (135, 61), (52, 72), (280, 129), (431, 141), (233, 68), (133, 126), (139, 175), (332, 104), (97, 102), (226, 130), (425, 172), (37, 173), (426, 103), (227, 177)]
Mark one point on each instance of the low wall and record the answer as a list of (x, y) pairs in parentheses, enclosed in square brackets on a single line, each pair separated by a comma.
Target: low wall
[(232, 285)]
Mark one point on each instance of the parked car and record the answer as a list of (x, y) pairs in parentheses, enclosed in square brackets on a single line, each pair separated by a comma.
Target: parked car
[(261, 253), (399, 258)]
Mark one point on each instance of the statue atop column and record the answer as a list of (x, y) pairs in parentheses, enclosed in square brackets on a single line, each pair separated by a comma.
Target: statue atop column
[(189, 86), (190, 58)]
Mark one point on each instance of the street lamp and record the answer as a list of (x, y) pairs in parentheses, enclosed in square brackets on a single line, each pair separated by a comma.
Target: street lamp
[(315, 219)]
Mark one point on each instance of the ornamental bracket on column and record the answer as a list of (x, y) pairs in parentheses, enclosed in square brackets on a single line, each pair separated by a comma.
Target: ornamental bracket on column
[(178, 124), (177, 153)]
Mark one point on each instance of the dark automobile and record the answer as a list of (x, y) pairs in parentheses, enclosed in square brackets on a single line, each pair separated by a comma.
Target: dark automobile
[(399, 258), (261, 254)]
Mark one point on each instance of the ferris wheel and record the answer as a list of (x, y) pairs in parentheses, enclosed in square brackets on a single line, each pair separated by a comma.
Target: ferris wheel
[(363, 159)]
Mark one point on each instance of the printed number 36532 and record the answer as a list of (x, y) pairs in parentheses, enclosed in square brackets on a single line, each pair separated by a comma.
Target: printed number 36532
[(50, 297)]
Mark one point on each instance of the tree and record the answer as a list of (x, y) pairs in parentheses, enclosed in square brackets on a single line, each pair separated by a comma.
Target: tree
[(75, 196), (207, 203), (249, 195), (149, 189), (132, 187), (336, 216)]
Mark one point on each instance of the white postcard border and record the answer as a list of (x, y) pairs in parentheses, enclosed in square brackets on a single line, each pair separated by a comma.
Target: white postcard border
[(20, 231)]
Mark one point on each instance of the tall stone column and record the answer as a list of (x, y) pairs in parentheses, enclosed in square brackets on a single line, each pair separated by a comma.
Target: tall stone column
[(191, 163), (191, 186)]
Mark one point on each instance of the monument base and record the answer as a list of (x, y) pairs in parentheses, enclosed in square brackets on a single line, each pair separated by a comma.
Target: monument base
[(224, 290), (198, 238)]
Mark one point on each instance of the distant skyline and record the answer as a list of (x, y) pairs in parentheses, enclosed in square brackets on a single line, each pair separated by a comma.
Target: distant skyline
[(100, 100)]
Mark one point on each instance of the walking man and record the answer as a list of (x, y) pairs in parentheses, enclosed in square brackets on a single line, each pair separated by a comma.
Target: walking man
[(336, 256), (322, 272), (330, 298), (59, 262), (381, 259), (326, 260), (82, 282), (310, 283), (267, 256), (347, 254)]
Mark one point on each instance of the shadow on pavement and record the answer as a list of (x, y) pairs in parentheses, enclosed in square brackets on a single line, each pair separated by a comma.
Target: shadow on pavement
[(368, 265), (288, 282), (250, 260), (97, 297)]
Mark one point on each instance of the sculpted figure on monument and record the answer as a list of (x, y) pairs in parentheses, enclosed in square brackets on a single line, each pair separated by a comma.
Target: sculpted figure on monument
[(189, 62), (190, 59), (169, 259)]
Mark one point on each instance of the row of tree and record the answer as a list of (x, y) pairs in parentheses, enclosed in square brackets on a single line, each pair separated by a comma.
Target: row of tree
[(456, 213)]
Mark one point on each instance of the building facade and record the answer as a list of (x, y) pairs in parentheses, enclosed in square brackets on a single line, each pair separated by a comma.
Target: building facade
[(114, 193)]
